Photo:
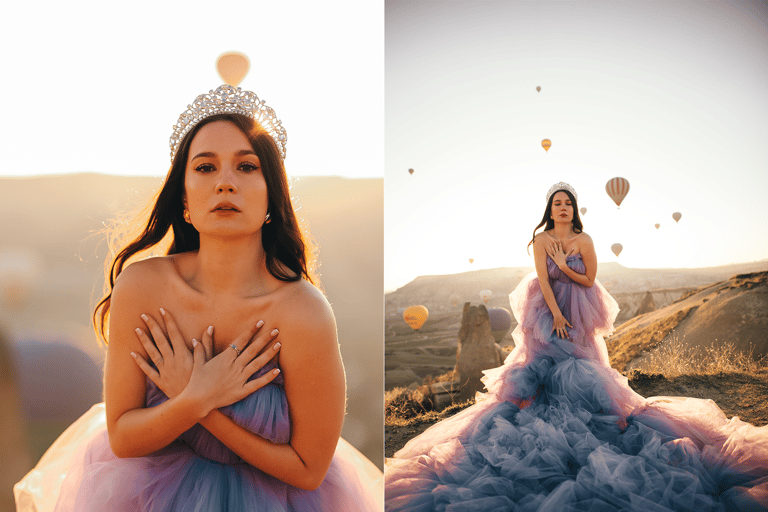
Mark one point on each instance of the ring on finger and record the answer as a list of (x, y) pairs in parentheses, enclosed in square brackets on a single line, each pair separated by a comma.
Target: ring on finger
[(235, 347), (159, 360)]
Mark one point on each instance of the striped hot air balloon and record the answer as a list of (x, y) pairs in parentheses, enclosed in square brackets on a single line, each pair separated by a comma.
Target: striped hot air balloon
[(546, 144), (617, 189)]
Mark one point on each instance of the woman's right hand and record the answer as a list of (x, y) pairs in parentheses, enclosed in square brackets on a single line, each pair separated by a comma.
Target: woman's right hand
[(558, 325), (223, 380)]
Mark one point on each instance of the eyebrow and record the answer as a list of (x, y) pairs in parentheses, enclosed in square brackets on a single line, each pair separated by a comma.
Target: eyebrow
[(208, 154)]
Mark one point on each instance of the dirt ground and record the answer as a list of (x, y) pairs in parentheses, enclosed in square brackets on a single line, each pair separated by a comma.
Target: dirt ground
[(737, 394)]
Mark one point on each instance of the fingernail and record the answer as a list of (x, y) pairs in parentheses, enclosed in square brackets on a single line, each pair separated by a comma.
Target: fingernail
[(210, 330), (276, 371), (138, 331), (162, 311), (133, 355), (274, 332), (277, 345), (144, 317), (260, 323), (194, 342)]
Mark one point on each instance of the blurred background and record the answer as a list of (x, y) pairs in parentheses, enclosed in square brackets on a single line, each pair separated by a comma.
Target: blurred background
[(92, 92)]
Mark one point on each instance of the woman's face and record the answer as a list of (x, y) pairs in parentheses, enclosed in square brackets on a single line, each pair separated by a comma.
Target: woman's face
[(225, 191), (562, 209)]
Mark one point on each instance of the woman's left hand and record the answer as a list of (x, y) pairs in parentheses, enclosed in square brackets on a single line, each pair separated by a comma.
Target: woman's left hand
[(555, 251), (173, 360)]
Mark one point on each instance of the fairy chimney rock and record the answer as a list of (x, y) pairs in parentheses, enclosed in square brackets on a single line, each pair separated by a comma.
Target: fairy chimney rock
[(477, 350), (647, 305)]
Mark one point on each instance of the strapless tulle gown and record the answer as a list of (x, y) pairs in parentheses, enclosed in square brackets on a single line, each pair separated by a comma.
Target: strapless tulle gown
[(560, 430), (196, 473)]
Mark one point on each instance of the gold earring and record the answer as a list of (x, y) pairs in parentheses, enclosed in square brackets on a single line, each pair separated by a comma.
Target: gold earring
[(186, 216), (267, 220)]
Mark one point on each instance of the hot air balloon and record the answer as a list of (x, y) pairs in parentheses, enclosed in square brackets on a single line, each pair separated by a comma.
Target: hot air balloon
[(617, 189), (538, 88), (583, 210), (657, 225), (415, 316), (485, 295), (454, 298), (410, 171), (616, 248), (677, 216), (232, 67), (471, 260), (501, 321), (546, 144)]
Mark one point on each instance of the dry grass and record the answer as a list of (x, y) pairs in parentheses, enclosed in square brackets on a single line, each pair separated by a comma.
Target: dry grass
[(625, 348), (408, 406), (675, 358), (403, 403)]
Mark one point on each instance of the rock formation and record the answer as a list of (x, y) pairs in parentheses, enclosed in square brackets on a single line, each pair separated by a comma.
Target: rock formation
[(477, 350)]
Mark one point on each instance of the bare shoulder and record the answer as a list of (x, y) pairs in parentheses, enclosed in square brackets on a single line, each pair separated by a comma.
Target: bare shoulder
[(541, 238), (584, 240), (306, 314), (141, 277), (304, 302)]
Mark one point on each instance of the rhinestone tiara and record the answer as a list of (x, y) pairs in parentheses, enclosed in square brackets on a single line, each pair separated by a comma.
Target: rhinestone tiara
[(228, 100), (562, 186)]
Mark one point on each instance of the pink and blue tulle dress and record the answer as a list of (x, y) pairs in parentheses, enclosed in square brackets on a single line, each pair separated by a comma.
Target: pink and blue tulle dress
[(560, 430), (197, 472)]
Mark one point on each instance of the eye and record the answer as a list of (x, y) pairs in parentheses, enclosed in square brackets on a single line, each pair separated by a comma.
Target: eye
[(204, 168), (248, 167)]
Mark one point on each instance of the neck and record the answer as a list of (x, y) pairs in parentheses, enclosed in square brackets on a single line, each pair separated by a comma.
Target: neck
[(563, 230), (231, 266)]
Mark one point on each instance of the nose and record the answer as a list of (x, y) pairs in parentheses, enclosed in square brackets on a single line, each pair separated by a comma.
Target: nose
[(226, 182)]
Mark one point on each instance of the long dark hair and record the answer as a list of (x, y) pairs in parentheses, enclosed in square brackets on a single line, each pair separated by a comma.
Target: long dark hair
[(288, 256), (550, 222)]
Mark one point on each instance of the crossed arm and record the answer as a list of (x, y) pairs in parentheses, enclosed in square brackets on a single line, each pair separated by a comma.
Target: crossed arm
[(310, 361)]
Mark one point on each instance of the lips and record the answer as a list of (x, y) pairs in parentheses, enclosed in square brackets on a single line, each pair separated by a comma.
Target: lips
[(225, 207)]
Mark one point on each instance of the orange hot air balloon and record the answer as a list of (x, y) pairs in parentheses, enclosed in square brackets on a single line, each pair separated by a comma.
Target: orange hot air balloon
[(657, 225), (410, 171), (616, 248), (677, 216), (415, 316), (471, 260), (485, 295), (617, 189), (454, 298), (546, 144), (583, 210), (232, 67), (538, 88)]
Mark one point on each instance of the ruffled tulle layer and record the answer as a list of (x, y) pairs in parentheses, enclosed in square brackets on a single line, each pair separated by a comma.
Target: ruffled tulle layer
[(559, 429), (80, 472)]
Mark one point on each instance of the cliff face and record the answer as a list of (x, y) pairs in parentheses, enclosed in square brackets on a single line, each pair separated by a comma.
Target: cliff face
[(733, 311)]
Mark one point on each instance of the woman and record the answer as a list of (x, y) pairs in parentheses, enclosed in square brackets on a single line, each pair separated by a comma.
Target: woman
[(559, 429), (224, 387)]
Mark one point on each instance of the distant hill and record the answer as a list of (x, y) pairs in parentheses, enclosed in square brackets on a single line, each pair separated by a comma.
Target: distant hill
[(731, 311), (435, 291)]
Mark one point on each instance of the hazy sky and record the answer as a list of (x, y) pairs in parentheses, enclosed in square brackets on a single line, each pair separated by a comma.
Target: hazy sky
[(96, 86), (672, 96)]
